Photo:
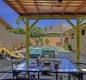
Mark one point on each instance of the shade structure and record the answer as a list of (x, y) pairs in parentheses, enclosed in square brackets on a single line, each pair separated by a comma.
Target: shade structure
[(48, 9), (35, 8)]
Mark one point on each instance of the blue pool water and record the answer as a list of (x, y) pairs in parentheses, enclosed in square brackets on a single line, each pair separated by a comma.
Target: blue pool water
[(38, 50)]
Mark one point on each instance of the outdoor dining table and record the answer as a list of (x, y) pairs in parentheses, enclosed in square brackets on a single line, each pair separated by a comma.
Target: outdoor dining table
[(65, 66)]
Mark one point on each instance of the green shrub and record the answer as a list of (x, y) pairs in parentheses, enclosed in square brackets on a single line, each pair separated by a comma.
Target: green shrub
[(67, 47), (47, 41)]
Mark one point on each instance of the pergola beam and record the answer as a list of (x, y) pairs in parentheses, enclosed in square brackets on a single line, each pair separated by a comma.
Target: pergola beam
[(80, 7), (57, 17), (81, 20), (70, 22), (34, 23), (19, 3), (51, 6), (54, 14), (36, 6)]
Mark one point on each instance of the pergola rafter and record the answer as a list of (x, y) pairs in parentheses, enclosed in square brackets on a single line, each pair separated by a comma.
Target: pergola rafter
[(23, 8), (10, 5), (36, 6), (80, 7), (51, 6), (66, 6)]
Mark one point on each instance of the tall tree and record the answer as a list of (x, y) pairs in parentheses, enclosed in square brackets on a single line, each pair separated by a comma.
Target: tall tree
[(18, 30), (45, 28), (36, 32)]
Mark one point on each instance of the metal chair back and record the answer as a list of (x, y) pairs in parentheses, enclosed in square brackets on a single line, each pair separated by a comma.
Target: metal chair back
[(50, 53)]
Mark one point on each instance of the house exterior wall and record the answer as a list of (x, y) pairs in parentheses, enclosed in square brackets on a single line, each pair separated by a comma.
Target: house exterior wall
[(2, 26), (72, 42), (83, 42)]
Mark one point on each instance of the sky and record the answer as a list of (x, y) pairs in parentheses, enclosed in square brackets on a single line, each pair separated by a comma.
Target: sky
[(10, 17)]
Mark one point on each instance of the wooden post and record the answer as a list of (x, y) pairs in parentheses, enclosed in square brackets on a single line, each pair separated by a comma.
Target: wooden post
[(77, 38), (28, 27), (78, 41), (27, 41), (61, 32)]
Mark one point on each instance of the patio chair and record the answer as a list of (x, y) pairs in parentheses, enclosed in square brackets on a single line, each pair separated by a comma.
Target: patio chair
[(35, 55), (51, 53)]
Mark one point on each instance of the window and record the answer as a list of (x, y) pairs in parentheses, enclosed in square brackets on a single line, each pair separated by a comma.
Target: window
[(83, 32), (72, 36)]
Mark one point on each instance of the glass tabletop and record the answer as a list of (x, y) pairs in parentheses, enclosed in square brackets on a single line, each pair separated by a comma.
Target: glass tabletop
[(65, 66)]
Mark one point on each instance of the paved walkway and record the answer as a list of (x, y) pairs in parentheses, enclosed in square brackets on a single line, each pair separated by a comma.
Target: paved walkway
[(71, 56)]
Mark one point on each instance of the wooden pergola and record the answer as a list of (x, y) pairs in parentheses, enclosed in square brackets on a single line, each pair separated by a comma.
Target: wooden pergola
[(50, 9)]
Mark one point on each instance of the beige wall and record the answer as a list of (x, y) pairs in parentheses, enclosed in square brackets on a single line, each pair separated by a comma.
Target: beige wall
[(10, 40), (72, 42), (52, 40), (2, 26)]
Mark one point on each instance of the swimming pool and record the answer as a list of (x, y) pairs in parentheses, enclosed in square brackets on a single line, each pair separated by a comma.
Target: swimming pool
[(37, 51)]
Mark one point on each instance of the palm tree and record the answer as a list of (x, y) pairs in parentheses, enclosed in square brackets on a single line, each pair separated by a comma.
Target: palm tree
[(45, 29)]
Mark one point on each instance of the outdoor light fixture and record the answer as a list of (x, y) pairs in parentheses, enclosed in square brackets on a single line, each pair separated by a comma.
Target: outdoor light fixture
[(58, 2)]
